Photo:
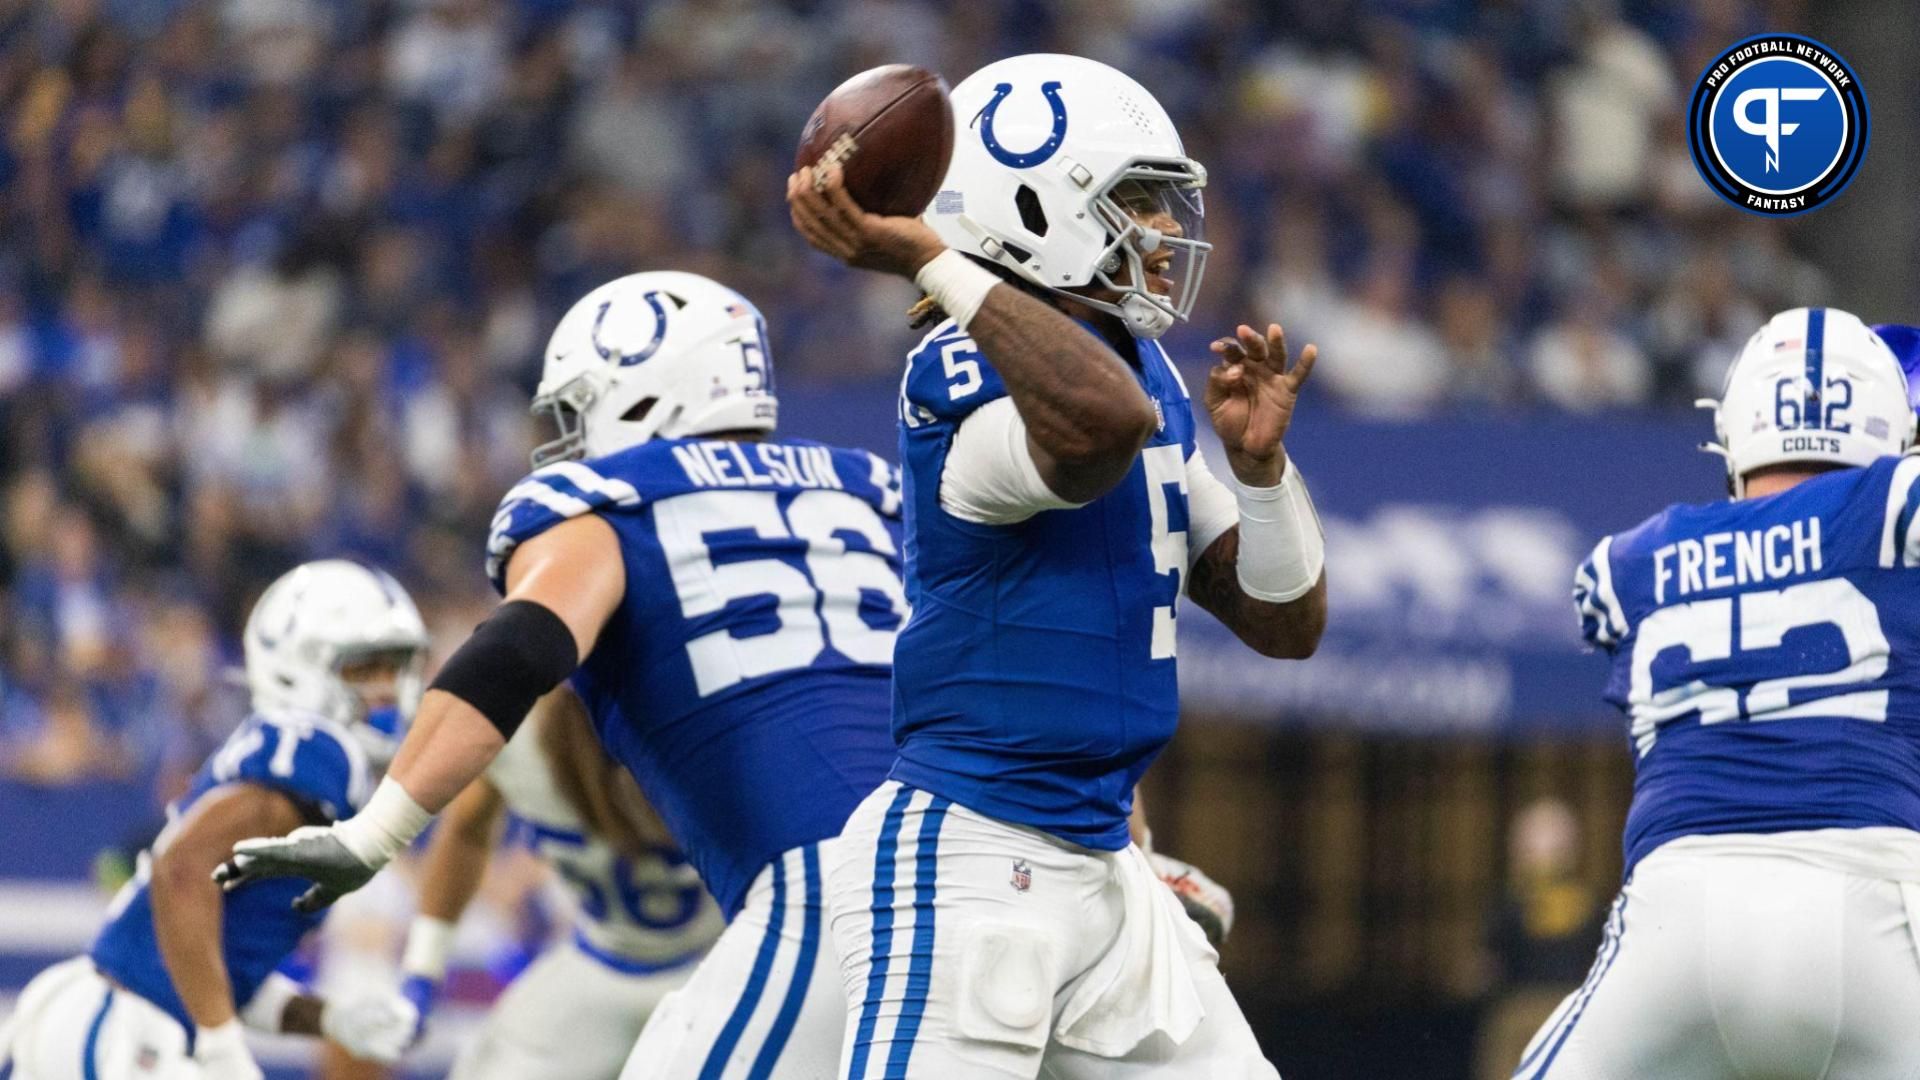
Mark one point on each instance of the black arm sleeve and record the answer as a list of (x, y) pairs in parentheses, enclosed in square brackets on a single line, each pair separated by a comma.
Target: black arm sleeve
[(522, 651)]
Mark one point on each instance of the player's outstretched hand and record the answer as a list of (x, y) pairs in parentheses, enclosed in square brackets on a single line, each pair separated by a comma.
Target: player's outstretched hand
[(312, 852), (378, 1027), (831, 221), (1250, 396)]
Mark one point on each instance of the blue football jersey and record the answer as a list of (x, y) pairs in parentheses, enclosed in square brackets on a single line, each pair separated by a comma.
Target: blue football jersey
[(1035, 681), (744, 677), (1767, 654), (313, 762)]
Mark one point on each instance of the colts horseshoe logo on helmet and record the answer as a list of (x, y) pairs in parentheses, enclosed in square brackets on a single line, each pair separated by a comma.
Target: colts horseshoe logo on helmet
[(1015, 159), (651, 347)]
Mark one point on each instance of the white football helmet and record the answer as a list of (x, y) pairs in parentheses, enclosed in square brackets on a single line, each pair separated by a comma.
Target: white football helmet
[(319, 617), (1053, 156), (665, 354), (1812, 385)]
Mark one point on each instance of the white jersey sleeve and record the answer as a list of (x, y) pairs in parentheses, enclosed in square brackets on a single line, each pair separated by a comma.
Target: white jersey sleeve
[(990, 477), (1601, 620), (1211, 509), (1899, 539)]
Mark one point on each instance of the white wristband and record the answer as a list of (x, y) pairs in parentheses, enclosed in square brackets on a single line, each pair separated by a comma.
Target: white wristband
[(1282, 549), (385, 826), (224, 1040), (958, 284), (267, 1009), (429, 942)]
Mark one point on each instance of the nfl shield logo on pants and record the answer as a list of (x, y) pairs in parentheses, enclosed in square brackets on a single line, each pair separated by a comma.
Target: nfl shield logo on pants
[(1022, 876)]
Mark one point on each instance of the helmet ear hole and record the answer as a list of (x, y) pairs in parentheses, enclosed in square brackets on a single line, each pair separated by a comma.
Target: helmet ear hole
[(639, 411), (1032, 215)]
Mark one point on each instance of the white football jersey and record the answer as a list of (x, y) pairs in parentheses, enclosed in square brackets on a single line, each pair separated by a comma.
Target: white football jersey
[(641, 911)]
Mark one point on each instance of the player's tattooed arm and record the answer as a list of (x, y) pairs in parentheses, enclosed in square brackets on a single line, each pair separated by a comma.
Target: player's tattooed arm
[(188, 908), (1288, 631), (1085, 414), (1250, 397)]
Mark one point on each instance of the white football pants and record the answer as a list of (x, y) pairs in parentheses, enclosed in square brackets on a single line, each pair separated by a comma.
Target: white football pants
[(569, 1016), (72, 1024), (1722, 966), (975, 948), (765, 1003)]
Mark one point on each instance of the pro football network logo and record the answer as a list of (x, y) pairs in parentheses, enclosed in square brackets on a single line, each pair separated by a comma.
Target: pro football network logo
[(1778, 124)]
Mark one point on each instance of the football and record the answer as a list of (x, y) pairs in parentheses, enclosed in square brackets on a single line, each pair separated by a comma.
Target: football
[(891, 130)]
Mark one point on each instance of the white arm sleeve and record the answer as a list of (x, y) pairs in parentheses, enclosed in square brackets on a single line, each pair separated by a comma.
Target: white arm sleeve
[(1211, 510), (990, 477), (1282, 547)]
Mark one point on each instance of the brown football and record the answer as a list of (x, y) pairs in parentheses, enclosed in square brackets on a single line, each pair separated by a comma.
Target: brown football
[(891, 129)]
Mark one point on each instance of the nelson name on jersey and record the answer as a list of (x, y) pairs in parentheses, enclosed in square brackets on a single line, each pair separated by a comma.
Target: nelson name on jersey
[(1724, 560), (728, 464)]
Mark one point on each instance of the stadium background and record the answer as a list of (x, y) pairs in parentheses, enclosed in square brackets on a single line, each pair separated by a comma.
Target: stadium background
[(275, 274)]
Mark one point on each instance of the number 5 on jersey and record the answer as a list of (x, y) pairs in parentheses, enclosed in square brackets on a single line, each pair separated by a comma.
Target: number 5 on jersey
[(1166, 473)]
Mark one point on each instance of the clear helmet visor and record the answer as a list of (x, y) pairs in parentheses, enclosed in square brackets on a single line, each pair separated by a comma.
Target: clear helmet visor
[(1158, 252)]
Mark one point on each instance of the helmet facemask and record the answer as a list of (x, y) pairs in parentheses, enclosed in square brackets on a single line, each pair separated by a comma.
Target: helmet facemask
[(567, 408), (358, 670), (1106, 194), (1145, 192), (343, 643)]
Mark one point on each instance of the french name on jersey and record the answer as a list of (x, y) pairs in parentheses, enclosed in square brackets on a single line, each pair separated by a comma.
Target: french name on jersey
[(1725, 559), (735, 465)]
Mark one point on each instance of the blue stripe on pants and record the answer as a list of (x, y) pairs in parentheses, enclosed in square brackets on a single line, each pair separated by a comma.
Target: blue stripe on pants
[(802, 972), (1609, 952), (926, 863), (88, 1067), (882, 932), (729, 1038)]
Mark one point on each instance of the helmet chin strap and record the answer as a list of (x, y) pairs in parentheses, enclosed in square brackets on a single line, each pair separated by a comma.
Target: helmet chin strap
[(1144, 317)]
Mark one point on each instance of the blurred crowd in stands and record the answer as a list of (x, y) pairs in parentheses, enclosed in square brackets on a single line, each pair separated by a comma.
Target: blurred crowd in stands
[(275, 274)]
